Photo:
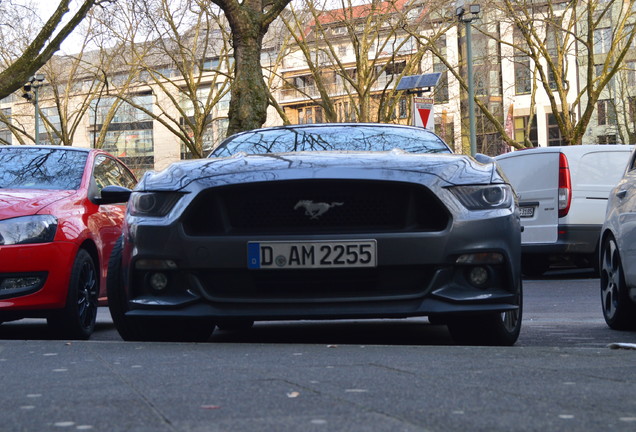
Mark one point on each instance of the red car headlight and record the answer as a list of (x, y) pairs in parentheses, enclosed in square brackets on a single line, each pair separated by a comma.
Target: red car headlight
[(28, 229)]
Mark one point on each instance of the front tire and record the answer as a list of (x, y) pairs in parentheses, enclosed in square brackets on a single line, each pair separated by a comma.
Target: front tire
[(147, 329), (534, 265), (618, 309), (494, 329), (77, 319)]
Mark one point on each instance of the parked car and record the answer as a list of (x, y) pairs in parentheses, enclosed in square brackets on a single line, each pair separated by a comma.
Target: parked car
[(320, 222), (618, 253), (562, 193), (57, 233)]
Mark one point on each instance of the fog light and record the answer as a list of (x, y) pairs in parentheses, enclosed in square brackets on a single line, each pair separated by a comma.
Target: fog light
[(158, 281), (478, 276), (20, 283)]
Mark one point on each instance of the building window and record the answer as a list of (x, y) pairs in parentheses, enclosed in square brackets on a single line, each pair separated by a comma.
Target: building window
[(310, 115), (521, 129), (395, 68), (130, 133), (50, 123), (631, 106), (403, 109), (606, 112), (133, 147), (523, 75), (554, 133), (440, 91), (5, 132), (602, 40), (606, 139), (598, 70), (630, 70)]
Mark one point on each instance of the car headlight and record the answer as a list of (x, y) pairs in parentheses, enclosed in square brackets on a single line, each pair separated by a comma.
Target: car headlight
[(156, 204), (484, 197), (28, 229)]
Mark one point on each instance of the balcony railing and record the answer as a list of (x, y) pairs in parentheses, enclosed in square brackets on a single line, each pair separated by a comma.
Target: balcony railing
[(311, 91)]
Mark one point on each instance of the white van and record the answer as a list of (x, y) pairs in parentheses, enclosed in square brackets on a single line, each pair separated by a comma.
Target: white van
[(563, 194)]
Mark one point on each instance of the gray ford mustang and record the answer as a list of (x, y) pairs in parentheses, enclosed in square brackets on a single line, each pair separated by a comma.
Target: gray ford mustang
[(333, 221)]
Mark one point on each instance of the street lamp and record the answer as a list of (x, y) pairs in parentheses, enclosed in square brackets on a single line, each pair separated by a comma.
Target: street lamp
[(467, 17), (31, 93)]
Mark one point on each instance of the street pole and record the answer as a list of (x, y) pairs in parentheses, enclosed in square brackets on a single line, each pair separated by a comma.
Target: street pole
[(471, 89), (31, 89), (37, 115), (473, 14)]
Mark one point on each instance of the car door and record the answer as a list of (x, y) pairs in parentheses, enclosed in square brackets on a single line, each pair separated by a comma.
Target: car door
[(534, 175), (106, 223), (626, 220)]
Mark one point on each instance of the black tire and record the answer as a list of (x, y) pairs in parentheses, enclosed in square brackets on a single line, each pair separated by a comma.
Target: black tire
[(498, 329), (77, 319), (437, 320), (534, 265), (147, 329), (618, 309), (234, 324)]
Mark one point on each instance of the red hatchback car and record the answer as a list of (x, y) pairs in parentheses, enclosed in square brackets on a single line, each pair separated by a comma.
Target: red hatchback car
[(56, 234)]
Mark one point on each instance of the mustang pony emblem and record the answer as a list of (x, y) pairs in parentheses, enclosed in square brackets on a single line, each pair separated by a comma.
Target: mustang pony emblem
[(315, 210)]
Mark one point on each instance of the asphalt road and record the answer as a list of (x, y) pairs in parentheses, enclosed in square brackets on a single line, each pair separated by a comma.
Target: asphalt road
[(401, 375)]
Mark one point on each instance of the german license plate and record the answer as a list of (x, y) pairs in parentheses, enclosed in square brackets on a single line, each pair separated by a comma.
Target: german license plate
[(311, 254), (526, 212)]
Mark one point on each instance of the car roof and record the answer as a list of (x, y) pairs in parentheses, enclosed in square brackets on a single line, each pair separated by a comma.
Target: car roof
[(331, 125), (51, 147)]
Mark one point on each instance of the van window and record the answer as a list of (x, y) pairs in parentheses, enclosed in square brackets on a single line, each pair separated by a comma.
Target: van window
[(633, 162), (601, 168)]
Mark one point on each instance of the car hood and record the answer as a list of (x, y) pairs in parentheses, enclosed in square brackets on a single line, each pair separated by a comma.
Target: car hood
[(452, 169), (19, 202)]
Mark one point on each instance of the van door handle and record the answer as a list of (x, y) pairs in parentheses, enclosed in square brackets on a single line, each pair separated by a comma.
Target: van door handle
[(621, 193)]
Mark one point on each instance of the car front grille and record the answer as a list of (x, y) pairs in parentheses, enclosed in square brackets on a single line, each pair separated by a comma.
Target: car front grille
[(302, 286), (315, 206)]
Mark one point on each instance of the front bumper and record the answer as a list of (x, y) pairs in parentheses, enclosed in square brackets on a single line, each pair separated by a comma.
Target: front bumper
[(417, 274), (45, 273)]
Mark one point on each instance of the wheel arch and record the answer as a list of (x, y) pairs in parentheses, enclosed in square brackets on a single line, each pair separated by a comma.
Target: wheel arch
[(89, 246), (605, 234)]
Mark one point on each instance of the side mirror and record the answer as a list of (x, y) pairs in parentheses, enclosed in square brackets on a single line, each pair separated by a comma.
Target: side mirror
[(484, 159), (113, 194)]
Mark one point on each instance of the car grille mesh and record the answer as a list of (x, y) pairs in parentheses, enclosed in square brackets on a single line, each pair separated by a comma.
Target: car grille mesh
[(290, 207), (342, 285)]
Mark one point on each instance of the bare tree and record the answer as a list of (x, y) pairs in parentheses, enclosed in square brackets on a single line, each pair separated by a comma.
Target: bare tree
[(31, 52), (249, 21), (359, 51), (557, 35), (188, 66)]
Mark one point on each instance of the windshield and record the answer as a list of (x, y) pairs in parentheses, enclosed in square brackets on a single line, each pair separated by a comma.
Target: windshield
[(333, 137), (41, 168)]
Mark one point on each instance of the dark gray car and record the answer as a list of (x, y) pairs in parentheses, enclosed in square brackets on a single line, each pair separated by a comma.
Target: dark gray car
[(320, 222)]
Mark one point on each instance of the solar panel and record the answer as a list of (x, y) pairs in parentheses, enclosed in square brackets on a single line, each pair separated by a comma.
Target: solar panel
[(419, 81)]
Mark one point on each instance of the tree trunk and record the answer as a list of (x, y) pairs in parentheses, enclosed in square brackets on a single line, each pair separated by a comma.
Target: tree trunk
[(250, 96)]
